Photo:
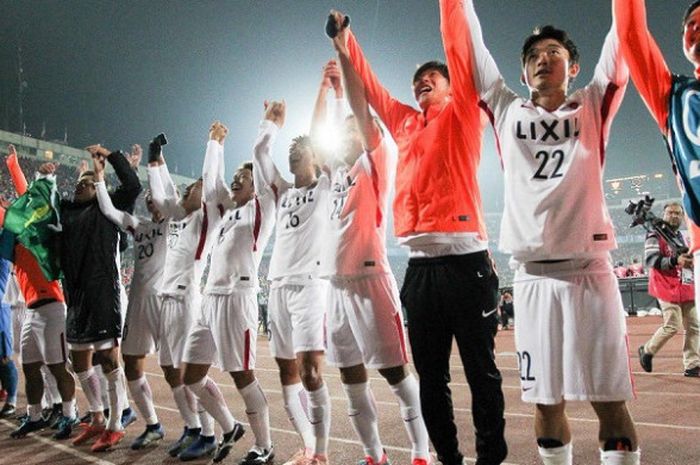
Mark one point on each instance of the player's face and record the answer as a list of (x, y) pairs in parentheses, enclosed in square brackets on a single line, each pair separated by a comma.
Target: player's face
[(301, 161), (673, 215), (150, 206), (352, 143), (192, 200), (242, 186), (691, 37), (431, 88), (85, 189), (547, 66)]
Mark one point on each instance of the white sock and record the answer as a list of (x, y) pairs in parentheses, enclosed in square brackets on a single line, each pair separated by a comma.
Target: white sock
[(91, 387), (409, 402), (68, 408), (616, 457), (206, 420), (99, 372), (258, 413), (114, 423), (50, 387), (320, 418), (143, 398), (211, 398), (563, 455), (296, 403), (363, 416), (34, 411), (121, 391), (187, 405)]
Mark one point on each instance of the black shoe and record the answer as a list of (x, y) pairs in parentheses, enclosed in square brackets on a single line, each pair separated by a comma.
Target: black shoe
[(86, 419), (692, 372), (27, 427), (188, 437), (54, 416), (259, 456), (227, 442), (645, 359), (65, 427), (151, 435), (7, 410)]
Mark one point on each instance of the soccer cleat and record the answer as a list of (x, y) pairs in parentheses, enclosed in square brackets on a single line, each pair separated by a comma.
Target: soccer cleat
[(227, 442), (86, 419), (152, 434), (692, 372), (419, 461), (370, 461), (7, 410), (54, 416), (188, 437), (645, 359), (89, 432), (107, 440), (259, 456), (28, 426), (299, 458), (128, 417), (65, 427), (204, 445)]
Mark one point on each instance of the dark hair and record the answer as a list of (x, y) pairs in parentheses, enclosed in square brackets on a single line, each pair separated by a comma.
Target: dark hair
[(438, 66), (87, 173), (246, 165), (690, 9), (299, 143), (550, 32), (673, 203)]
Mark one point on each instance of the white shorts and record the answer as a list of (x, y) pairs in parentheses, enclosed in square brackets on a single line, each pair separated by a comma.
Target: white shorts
[(226, 332), (43, 334), (18, 314), (297, 315), (365, 324), (102, 344), (570, 333), (177, 317), (141, 335)]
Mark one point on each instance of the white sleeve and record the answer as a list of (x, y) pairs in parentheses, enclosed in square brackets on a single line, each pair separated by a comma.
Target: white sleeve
[(165, 198), (214, 188), (265, 173), (122, 219), (168, 183)]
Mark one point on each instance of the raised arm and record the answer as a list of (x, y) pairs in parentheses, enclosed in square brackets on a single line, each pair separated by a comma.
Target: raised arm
[(323, 126), (163, 191), (124, 196), (611, 67), (390, 110), (214, 187), (646, 63), (369, 132), (265, 173), (18, 178), (122, 219)]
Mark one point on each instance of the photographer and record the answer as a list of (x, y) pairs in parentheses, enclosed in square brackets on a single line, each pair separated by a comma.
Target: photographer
[(671, 282)]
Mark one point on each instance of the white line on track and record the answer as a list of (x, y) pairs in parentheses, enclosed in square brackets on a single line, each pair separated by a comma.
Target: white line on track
[(62, 447)]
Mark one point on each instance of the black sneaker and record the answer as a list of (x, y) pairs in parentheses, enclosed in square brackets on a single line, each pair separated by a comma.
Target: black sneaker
[(259, 456), (27, 427), (227, 442), (151, 435), (54, 416), (692, 372), (645, 359), (188, 437), (65, 427), (86, 419), (7, 410)]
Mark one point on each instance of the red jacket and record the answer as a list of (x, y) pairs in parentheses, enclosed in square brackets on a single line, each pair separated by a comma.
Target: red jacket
[(665, 282)]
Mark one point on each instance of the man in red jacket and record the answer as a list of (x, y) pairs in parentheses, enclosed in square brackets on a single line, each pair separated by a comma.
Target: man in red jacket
[(671, 281)]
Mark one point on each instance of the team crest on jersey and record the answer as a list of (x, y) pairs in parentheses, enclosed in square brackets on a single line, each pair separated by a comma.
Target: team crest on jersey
[(691, 118)]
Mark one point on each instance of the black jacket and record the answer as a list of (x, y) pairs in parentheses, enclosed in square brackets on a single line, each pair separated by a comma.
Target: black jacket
[(89, 246)]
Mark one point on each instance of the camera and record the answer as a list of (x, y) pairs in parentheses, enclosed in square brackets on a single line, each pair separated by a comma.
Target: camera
[(154, 148), (332, 28)]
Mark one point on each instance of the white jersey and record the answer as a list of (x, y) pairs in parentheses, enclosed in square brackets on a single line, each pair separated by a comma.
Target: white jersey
[(552, 161), (301, 219), (150, 243), (242, 234)]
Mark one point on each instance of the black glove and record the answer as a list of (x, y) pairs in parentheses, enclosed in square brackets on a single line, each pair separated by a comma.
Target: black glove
[(332, 28), (155, 147)]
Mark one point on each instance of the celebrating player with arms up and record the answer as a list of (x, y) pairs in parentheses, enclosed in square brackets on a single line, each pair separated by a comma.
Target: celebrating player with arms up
[(226, 331), (365, 325), (570, 332), (142, 326)]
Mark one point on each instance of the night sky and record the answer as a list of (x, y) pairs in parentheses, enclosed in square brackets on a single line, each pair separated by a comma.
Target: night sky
[(121, 72)]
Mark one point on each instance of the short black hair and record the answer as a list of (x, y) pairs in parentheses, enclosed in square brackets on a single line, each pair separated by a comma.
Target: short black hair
[(550, 32), (438, 66), (689, 10), (246, 165), (299, 143)]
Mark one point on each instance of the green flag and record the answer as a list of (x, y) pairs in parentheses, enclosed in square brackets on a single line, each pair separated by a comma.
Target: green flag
[(35, 220)]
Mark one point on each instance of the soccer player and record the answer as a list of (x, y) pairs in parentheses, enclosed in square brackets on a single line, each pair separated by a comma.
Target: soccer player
[(297, 304), (42, 338), (570, 332), (451, 289), (671, 99), (226, 332), (89, 247), (142, 328), (179, 289), (365, 322)]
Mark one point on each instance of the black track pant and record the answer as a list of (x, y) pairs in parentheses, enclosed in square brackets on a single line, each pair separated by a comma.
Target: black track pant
[(456, 296)]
